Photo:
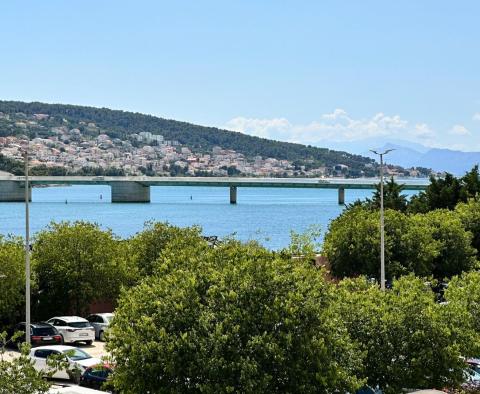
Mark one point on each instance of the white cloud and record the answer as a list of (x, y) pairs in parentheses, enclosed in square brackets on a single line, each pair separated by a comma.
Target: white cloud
[(335, 126), (458, 129), (476, 116), (422, 131), (265, 128)]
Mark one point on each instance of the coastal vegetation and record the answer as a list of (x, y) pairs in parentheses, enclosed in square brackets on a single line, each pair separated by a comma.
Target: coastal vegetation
[(193, 315), (435, 234)]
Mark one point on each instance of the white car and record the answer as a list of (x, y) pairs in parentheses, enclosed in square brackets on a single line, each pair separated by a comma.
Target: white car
[(100, 321), (73, 329), (76, 358)]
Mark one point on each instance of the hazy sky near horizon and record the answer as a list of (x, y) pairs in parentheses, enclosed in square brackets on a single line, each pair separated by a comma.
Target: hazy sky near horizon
[(303, 71)]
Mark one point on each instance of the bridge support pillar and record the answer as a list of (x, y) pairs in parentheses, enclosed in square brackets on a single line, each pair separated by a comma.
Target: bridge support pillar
[(341, 196), (130, 192), (233, 194), (11, 191)]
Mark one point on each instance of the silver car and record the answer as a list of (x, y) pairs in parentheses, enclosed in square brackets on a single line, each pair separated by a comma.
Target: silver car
[(100, 321)]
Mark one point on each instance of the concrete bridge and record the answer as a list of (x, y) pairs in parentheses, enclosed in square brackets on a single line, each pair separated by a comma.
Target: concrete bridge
[(137, 188)]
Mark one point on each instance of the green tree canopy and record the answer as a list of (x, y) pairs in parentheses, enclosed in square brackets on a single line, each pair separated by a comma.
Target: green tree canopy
[(18, 375), (12, 280), (469, 214), (409, 340), (435, 244), (77, 263), (235, 318), (447, 192), (147, 245), (392, 196), (464, 290)]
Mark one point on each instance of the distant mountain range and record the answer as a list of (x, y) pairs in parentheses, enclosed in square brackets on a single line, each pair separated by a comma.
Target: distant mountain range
[(409, 154)]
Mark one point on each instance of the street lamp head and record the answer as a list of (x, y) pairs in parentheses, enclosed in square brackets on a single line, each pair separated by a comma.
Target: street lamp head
[(381, 153)]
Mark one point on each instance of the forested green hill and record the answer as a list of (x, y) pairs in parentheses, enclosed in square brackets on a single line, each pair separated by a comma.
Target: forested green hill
[(120, 124)]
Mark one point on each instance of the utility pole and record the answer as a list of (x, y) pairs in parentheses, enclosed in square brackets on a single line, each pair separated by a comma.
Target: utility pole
[(27, 252), (382, 224)]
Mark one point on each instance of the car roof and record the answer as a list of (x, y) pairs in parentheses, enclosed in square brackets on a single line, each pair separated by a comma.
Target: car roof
[(70, 319), (102, 314), (60, 348), (37, 325)]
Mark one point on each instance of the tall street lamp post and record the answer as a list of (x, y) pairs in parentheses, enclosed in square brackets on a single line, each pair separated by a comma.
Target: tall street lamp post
[(382, 226), (27, 252)]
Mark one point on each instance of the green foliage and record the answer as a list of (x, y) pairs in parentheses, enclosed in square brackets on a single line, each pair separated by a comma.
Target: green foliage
[(18, 375), (305, 244), (435, 244), (447, 192), (146, 246), (231, 319), (17, 167), (77, 263), (409, 340), (455, 251), (469, 214), (464, 291), (392, 196), (12, 280), (9, 165)]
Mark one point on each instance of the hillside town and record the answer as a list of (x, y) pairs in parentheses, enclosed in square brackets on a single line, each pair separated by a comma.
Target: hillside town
[(143, 153)]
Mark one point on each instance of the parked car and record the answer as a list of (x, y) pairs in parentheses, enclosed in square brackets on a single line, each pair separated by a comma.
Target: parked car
[(100, 321), (75, 357), (73, 329), (69, 389), (40, 334), (472, 374), (96, 376)]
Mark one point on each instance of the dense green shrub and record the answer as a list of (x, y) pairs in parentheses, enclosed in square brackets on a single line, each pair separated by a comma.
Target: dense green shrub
[(409, 340), (76, 264), (435, 244), (231, 319)]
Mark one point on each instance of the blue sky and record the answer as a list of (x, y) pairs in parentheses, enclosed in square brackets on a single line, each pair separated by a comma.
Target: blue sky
[(305, 71)]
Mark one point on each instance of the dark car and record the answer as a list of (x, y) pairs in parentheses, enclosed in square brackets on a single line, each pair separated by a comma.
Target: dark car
[(95, 377), (40, 334)]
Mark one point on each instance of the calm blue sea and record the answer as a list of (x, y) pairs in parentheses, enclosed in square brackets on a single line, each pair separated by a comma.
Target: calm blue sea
[(264, 214)]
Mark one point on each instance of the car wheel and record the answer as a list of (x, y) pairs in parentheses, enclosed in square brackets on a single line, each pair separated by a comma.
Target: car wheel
[(62, 340), (75, 376), (101, 336), (88, 343)]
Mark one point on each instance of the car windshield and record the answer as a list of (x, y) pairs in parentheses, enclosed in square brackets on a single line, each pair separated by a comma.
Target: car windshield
[(44, 331), (76, 354), (79, 324), (109, 318), (475, 367)]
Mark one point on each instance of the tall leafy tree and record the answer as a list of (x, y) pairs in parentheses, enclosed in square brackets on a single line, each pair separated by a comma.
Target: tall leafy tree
[(12, 280), (471, 184), (410, 341), (76, 264), (469, 214), (235, 318), (442, 193), (435, 244), (146, 247), (392, 196)]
